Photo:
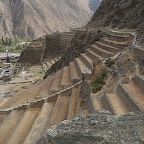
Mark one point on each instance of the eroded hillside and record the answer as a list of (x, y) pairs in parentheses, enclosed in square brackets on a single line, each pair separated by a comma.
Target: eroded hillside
[(35, 18)]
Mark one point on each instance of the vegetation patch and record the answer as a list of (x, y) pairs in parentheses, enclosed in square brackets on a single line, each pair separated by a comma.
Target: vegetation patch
[(109, 62), (98, 83), (15, 45)]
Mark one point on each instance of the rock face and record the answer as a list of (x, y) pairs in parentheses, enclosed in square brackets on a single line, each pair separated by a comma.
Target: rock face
[(120, 14), (100, 127), (36, 18)]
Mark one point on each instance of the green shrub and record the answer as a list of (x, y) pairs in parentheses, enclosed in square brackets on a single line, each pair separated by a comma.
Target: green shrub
[(104, 73), (96, 88), (98, 83), (99, 80)]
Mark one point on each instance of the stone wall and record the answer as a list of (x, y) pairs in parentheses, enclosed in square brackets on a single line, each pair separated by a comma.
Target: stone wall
[(33, 57), (54, 48), (127, 99), (139, 81), (107, 104), (33, 53)]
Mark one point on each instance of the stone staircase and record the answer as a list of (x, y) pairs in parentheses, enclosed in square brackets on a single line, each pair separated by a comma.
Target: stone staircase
[(71, 74), (27, 124), (126, 98), (119, 37), (25, 116), (114, 44), (46, 64), (4, 100)]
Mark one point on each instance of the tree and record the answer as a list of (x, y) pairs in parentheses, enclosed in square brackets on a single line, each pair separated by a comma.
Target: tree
[(3, 40), (10, 41), (6, 41), (8, 59)]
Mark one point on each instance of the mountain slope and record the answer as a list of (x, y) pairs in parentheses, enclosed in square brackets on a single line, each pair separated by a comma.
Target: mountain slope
[(36, 18), (121, 14)]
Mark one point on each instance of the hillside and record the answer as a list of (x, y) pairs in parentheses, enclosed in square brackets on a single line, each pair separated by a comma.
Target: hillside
[(93, 87), (35, 18), (120, 15)]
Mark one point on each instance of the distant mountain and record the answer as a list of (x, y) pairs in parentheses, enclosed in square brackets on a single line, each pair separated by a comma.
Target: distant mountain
[(38, 17), (94, 4)]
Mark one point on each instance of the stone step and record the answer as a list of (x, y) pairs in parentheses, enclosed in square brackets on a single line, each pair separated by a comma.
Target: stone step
[(87, 60), (52, 61), (56, 59), (73, 103), (48, 64), (4, 100), (56, 82), (107, 47), (92, 54), (45, 90), (117, 37), (120, 34), (74, 73), (44, 65), (9, 123), (40, 123), (117, 104), (136, 93), (116, 44), (13, 99), (97, 102), (139, 80), (129, 100), (82, 67), (66, 78), (19, 134), (60, 110), (101, 52), (3, 116), (24, 96)]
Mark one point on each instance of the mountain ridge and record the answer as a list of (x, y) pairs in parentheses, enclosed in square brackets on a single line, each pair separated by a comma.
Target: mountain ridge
[(36, 18)]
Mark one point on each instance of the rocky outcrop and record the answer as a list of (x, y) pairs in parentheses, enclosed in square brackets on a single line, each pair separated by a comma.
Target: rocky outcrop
[(121, 14), (35, 18), (100, 127)]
